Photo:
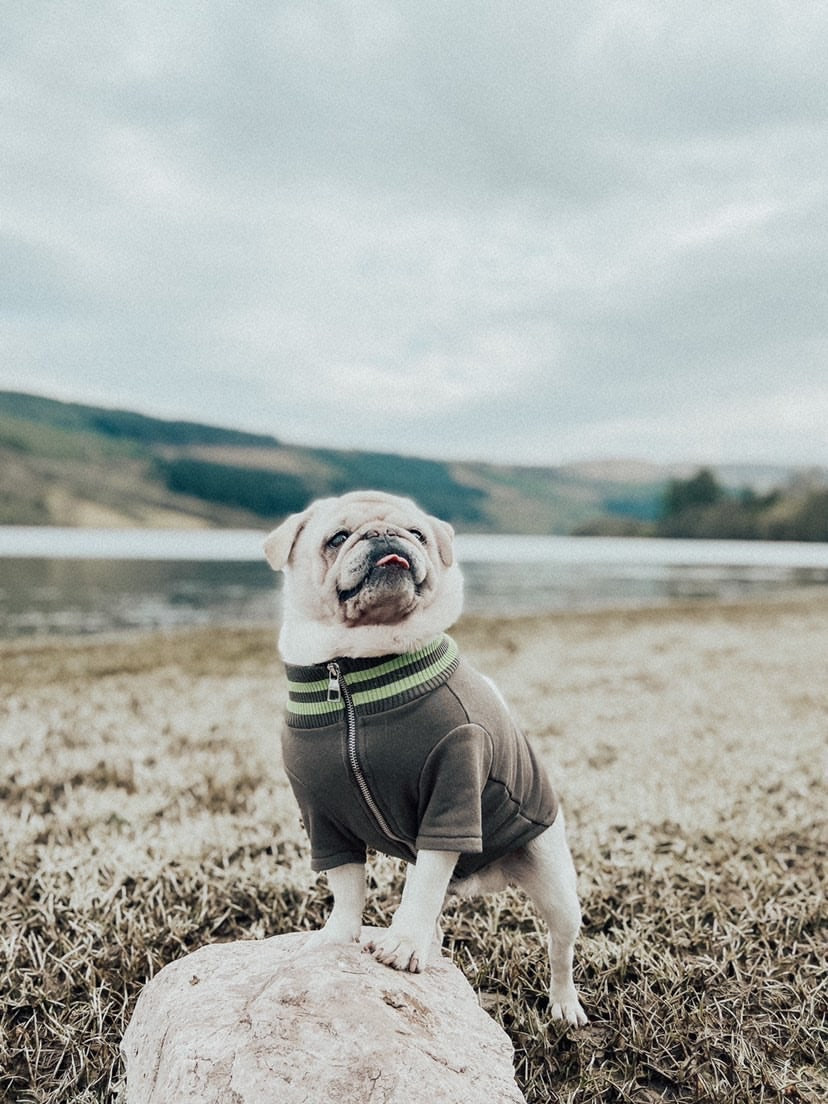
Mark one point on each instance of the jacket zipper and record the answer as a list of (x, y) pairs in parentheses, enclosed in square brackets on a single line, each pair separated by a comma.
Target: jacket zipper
[(338, 689)]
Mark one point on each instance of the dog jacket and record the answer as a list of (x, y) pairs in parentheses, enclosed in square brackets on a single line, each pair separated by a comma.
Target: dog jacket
[(410, 752)]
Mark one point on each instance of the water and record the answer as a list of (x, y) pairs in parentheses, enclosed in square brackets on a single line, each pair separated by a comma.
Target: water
[(78, 581)]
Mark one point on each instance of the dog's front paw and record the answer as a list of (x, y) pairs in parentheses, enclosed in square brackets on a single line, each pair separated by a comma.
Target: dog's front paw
[(566, 1006), (399, 950), (341, 934)]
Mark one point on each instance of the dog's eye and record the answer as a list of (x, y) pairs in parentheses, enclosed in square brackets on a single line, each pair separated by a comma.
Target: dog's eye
[(418, 534), (338, 538)]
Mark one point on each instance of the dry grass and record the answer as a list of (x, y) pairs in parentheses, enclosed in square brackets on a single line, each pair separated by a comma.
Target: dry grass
[(144, 813)]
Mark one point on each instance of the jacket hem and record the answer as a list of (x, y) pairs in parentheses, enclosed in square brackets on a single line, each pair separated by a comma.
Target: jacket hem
[(463, 844)]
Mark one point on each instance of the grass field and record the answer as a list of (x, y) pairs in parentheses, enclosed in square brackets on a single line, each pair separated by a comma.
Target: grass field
[(144, 813)]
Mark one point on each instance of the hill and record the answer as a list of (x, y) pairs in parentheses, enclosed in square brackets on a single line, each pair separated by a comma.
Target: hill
[(77, 465)]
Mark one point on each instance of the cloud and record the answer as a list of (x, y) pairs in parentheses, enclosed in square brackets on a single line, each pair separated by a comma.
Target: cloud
[(531, 231)]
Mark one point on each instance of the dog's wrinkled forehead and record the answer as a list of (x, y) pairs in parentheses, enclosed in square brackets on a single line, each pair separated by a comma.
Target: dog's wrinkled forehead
[(351, 513), (364, 515)]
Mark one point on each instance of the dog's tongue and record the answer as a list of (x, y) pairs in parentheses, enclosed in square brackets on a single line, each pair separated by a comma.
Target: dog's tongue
[(393, 560)]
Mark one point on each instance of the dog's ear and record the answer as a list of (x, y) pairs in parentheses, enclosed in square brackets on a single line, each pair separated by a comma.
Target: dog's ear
[(445, 540), (279, 545)]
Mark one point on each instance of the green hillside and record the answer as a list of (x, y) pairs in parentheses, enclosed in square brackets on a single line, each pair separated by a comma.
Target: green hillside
[(120, 425), (76, 465)]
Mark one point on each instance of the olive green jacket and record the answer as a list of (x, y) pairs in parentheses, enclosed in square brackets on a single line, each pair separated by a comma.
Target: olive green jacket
[(410, 752)]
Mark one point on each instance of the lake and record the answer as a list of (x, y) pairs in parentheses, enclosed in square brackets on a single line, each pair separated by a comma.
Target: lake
[(80, 581)]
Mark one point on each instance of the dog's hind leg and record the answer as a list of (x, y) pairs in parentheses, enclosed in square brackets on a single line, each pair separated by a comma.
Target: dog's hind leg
[(545, 872)]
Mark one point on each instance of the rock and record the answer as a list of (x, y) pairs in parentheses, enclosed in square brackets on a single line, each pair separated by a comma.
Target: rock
[(256, 1022)]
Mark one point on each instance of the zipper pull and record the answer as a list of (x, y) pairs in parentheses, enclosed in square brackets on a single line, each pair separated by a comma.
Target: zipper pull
[(334, 689)]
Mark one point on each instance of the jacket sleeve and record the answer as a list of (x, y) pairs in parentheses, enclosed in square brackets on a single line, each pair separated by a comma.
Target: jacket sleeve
[(450, 791), (331, 843)]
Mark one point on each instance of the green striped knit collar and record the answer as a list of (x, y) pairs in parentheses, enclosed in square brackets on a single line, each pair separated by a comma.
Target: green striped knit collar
[(374, 685)]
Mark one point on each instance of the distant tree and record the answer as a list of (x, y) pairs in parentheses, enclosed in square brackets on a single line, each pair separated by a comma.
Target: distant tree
[(812, 518), (700, 507), (700, 491), (805, 520)]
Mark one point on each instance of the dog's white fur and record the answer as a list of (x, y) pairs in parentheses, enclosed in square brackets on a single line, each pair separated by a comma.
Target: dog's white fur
[(322, 620)]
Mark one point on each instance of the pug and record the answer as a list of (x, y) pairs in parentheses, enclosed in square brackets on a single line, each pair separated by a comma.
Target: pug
[(394, 742)]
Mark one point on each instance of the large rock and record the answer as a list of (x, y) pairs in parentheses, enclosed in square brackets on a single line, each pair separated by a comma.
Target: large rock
[(256, 1022)]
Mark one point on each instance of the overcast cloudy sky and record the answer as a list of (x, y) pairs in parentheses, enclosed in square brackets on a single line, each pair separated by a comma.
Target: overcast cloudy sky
[(533, 231)]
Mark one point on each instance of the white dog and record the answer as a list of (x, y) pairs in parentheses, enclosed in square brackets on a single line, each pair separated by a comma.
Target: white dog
[(394, 742)]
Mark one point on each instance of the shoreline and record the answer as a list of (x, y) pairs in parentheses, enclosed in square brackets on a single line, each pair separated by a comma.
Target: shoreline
[(783, 595)]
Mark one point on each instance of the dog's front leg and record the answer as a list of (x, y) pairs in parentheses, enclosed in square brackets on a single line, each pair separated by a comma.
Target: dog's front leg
[(406, 944), (347, 884)]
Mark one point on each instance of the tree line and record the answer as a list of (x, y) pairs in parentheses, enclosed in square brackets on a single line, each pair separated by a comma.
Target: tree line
[(701, 507)]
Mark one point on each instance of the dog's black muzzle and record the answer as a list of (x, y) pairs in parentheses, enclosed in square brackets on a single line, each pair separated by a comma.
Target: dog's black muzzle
[(388, 561)]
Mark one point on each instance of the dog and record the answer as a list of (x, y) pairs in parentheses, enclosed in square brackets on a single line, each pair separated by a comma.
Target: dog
[(395, 743)]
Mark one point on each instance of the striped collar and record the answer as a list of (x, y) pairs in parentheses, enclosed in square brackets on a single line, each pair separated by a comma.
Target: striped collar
[(375, 685)]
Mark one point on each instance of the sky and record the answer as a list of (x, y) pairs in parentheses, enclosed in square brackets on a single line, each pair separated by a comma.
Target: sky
[(535, 232)]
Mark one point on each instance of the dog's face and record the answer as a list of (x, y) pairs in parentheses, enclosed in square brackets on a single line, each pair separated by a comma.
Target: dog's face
[(365, 574)]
